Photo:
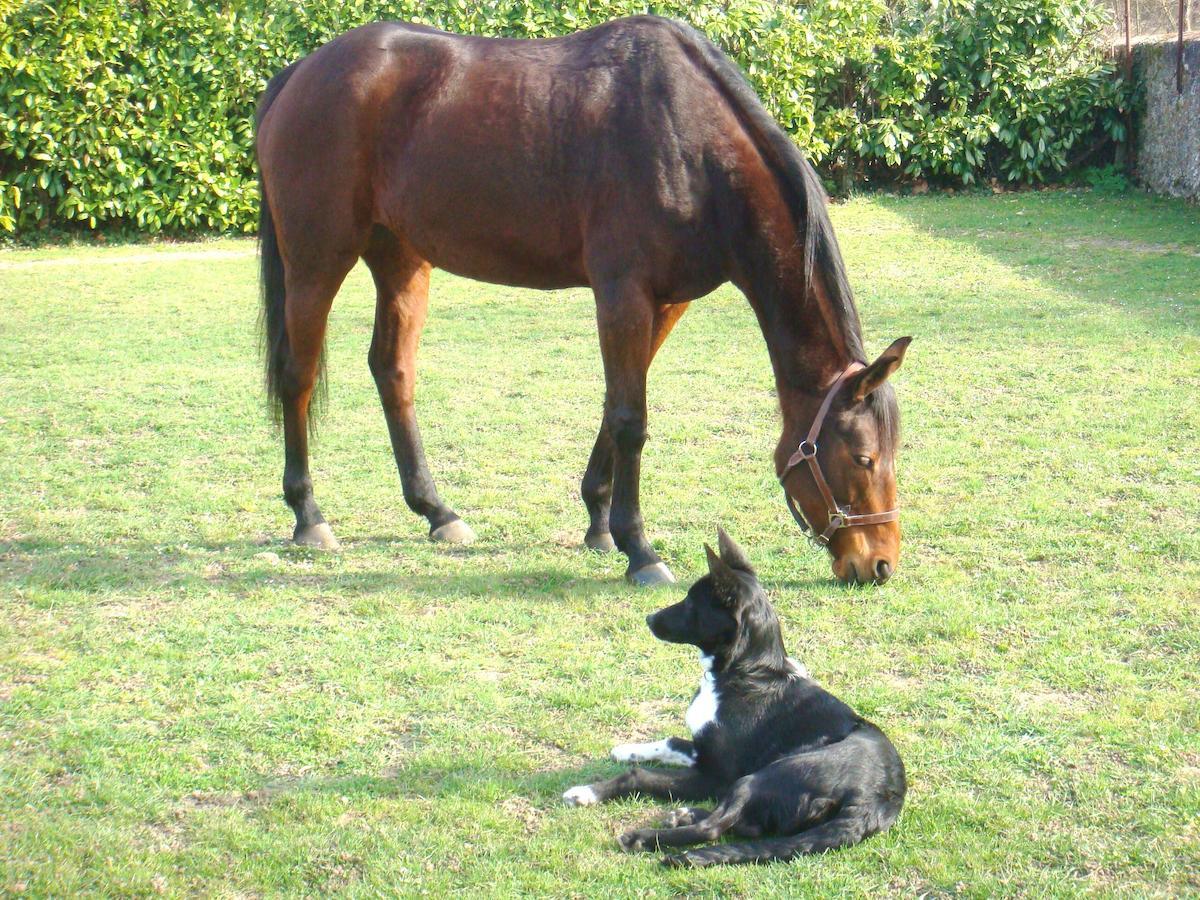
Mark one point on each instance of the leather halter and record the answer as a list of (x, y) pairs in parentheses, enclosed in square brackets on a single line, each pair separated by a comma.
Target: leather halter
[(839, 516)]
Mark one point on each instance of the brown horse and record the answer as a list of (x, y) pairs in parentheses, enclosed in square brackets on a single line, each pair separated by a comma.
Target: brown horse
[(631, 157)]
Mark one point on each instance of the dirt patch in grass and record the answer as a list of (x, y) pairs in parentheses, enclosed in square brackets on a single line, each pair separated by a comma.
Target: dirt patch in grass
[(523, 811)]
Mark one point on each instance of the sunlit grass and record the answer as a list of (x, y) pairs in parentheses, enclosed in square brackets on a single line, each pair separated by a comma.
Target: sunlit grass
[(188, 704)]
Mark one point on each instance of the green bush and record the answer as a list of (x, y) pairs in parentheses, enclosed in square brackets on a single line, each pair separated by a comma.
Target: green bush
[(138, 113)]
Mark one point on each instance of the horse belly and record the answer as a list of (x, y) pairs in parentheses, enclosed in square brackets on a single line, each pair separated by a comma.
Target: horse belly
[(521, 222), (488, 239)]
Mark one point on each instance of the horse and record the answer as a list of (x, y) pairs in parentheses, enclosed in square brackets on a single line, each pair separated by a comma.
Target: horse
[(632, 157)]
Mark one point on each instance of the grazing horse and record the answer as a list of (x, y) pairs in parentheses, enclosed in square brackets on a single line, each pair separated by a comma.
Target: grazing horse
[(631, 157)]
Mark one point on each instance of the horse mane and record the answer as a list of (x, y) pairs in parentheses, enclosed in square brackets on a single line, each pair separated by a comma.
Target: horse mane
[(796, 176)]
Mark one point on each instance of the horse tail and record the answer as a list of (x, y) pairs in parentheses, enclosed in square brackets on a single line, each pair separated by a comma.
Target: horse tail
[(273, 318), (798, 179), (847, 827)]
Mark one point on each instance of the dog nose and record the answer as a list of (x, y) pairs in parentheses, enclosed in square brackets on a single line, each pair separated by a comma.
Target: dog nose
[(883, 570), (650, 620)]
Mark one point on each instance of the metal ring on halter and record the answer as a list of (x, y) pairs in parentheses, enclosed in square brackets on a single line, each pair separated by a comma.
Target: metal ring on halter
[(807, 449)]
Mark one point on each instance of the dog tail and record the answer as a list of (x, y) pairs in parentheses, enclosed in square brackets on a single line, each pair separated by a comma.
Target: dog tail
[(848, 827)]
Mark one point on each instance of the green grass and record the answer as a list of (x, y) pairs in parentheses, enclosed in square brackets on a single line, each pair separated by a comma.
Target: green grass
[(190, 705)]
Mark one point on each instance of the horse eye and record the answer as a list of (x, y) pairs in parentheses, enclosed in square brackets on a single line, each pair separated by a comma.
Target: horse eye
[(865, 461)]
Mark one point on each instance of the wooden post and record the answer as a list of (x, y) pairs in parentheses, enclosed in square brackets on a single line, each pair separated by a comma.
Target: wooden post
[(1128, 49), (1179, 54), (1122, 153)]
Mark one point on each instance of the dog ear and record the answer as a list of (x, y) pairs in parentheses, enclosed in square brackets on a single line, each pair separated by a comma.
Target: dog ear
[(724, 579), (732, 554)]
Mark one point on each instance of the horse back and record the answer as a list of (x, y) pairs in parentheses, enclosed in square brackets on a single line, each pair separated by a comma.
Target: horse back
[(542, 163)]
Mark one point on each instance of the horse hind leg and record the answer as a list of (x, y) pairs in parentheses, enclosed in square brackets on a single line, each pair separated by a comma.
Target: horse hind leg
[(402, 284), (298, 363)]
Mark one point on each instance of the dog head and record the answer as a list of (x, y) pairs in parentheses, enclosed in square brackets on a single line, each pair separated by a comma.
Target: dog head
[(726, 613)]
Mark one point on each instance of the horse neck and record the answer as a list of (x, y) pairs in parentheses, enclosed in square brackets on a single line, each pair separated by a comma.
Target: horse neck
[(808, 344)]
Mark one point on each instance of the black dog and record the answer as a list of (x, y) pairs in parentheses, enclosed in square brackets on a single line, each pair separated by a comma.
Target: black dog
[(784, 758)]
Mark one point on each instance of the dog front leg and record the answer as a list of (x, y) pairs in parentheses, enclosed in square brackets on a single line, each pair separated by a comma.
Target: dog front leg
[(685, 784), (670, 752)]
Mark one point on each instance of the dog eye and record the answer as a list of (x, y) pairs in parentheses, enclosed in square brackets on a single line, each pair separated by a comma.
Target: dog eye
[(865, 461)]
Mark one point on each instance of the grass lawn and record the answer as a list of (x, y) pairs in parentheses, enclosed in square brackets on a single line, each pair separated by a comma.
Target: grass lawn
[(190, 705)]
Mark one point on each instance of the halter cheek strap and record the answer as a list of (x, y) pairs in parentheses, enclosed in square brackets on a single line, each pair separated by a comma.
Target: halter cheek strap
[(839, 517)]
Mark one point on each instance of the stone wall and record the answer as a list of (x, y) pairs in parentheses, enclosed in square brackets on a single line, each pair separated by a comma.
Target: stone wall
[(1167, 130)]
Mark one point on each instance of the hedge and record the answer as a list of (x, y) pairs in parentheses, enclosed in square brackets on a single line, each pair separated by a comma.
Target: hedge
[(138, 113)]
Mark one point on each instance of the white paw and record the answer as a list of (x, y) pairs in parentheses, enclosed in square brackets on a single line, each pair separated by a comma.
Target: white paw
[(581, 795), (629, 753), (798, 667)]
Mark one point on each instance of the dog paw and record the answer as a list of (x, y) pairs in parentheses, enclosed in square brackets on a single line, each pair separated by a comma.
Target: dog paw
[(637, 840), (657, 751), (581, 795), (680, 818), (628, 753), (691, 859)]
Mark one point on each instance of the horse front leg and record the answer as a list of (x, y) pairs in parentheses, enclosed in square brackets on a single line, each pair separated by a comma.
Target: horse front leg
[(596, 489), (625, 314)]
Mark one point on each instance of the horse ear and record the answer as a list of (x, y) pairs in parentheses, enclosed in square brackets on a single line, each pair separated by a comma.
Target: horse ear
[(870, 378), (725, 582), (731, 553)]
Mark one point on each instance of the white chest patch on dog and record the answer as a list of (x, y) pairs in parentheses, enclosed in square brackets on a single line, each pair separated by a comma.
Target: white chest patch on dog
[(703, 710)]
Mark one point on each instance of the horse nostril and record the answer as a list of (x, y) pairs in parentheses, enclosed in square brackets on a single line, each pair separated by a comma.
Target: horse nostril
[(883, 571)]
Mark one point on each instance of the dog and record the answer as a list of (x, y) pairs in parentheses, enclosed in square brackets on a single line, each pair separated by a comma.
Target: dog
[(790, 765)]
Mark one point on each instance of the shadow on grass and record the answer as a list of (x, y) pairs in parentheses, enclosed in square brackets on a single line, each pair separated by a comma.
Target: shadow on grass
[(1132, 254), (246, 567), (420, 781)]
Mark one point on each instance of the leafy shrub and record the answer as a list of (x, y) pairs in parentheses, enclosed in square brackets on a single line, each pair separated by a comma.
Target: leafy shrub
[(138, 113), (1108, 179)]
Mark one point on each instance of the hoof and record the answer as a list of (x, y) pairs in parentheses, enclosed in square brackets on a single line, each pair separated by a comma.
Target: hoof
[(319, 536), (651, 576), (601, 543), (456, 531)]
